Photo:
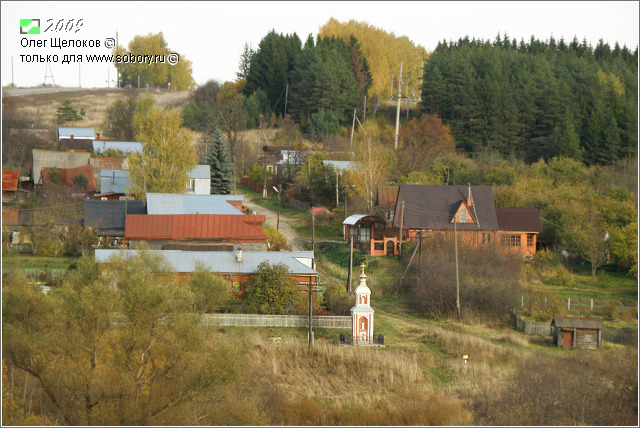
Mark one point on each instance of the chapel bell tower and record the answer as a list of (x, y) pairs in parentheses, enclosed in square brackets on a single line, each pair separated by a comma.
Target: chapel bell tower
[(362, 314)]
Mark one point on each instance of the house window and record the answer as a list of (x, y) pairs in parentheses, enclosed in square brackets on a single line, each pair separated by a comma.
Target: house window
[(530, 240), (463, 216), (361, 233), (486, 238), (191, 185), (510, 240)]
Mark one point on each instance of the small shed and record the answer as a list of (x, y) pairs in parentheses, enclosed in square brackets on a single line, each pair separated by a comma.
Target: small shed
[(577, 332)]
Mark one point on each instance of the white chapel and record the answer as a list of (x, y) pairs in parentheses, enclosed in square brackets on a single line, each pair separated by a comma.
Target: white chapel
[(362, 314)]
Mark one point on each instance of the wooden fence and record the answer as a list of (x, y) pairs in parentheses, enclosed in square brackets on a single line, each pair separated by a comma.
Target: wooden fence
[(254, 320), (532, 327)]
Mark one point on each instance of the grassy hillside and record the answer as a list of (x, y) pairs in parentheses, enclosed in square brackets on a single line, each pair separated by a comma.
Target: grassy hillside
[(41, 108)]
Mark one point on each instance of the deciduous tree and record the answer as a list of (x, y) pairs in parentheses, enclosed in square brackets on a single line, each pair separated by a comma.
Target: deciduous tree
[(168, 154)]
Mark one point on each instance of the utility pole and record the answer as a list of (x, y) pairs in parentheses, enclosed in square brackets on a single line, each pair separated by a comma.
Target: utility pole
[(395, 139), (364, 114), (313, 230), (379, 88), (353, 125), (420, 260), (310, 315), (278, 191), (12, 85), (455, 244), (337, 192), (400, 234), (286, 97), (350, 263)]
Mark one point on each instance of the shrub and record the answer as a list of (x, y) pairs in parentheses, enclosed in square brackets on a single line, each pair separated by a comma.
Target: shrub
[(277, 241), (337, 301), (609, 311), (489, 281), (211, 293)]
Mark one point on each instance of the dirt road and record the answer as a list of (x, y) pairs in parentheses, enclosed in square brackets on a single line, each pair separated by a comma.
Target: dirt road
[(271, 219)]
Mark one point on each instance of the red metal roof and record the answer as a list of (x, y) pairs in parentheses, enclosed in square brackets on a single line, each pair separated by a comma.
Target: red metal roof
[(10, 180), (9, 218), (69, 173), (106, 163), (234, 228)]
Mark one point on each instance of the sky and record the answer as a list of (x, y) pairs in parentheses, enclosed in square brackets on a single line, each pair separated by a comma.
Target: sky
[(212, 34)]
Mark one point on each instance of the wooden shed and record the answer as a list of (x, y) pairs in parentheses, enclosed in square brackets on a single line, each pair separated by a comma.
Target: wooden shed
[(577, 332)]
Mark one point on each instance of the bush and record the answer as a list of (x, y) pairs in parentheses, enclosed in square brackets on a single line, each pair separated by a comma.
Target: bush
[(337, 301), (277, 241), (489, 282), (535, 306), (211, 293), (610, 311)]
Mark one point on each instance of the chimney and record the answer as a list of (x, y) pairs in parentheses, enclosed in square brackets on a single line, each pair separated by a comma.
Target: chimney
[(71, 138), (239, 256), (98, 136), (469, 198)]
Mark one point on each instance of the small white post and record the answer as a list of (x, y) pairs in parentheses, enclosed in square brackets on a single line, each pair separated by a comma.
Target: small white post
[(569, 303), (591, 305)]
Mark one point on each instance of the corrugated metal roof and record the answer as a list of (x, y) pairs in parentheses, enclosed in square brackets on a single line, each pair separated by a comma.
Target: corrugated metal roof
[(169, 203), (50, 159), (355, 218), (76, 132), (124, 146), (224, 261), (196, 226), (69, 173), (340, 165), (10, 180), (114, 181), (106, 163), (110, 214), (387, 196), (433, 207), (200, 171), (578, 322), (519, 219), (9, 218)]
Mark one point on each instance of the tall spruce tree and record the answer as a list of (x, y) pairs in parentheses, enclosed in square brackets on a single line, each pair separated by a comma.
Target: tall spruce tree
[(221, 166)]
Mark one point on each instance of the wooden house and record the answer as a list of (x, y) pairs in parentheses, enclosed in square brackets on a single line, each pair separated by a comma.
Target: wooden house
[(75, 138), (518, 229), (237, 267), (370, 234), (213, 232), (107, 218), (577, 332), (433, 212)]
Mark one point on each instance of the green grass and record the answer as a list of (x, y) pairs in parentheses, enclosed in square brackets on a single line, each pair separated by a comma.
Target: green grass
[(25, 263)]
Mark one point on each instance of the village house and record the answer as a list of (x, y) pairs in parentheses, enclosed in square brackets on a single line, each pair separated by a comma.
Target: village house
[(199, 180), (114, 184), (9, 183), (237, 267), (431, 213), (201, 232), (170, 203), (75, 138), (126, 147), (108, 218), (54, 159), (69, 176), (100, 163)]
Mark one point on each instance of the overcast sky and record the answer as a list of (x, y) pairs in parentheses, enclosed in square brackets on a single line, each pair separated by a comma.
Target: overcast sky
[(212, 34)]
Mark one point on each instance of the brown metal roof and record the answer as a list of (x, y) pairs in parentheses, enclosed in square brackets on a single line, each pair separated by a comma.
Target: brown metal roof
[(519, 219), (69, 173), (235, 228), (578, 322), (10, 180), (106, 163), (387, 196), (433, 207), (9, 218)]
